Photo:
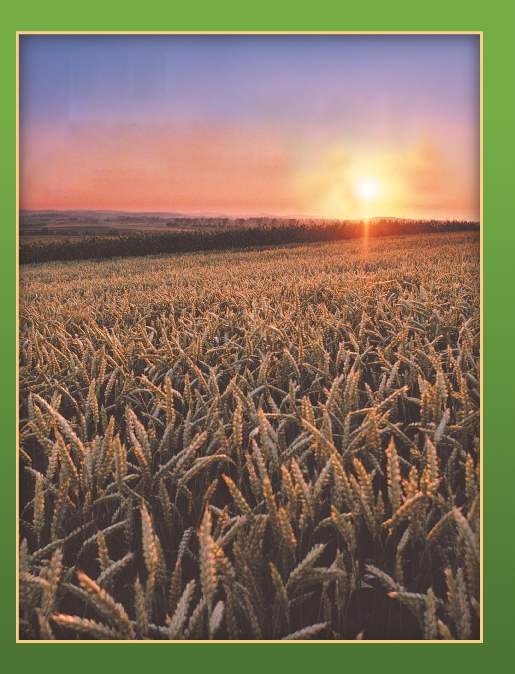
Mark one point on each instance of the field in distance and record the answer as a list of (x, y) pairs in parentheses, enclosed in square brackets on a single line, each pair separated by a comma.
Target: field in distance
[(278, 444), (59, 225), (187, 235), (36, 225)]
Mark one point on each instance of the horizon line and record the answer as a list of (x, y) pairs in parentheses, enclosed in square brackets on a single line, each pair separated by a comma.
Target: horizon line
[(211, 214)]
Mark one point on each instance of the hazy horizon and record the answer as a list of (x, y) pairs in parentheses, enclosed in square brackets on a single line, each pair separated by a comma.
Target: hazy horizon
[(213, 215), (311, 126)]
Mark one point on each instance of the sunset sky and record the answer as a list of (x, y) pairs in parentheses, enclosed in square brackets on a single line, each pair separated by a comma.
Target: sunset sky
[(333, 126)]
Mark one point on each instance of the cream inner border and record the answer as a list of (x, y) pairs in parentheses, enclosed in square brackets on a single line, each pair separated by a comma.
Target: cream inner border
[(270, 32)]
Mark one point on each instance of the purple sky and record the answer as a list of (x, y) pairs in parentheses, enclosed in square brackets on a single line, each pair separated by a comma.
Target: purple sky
[(251, 123)]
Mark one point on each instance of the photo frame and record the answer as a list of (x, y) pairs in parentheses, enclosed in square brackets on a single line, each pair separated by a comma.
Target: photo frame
[(496, 275)]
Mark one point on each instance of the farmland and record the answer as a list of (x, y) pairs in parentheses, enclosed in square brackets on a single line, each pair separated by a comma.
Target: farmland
[(195, 235), (265, 444)]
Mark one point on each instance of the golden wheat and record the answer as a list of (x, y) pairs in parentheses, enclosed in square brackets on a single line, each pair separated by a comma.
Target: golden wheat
[(253, 444)]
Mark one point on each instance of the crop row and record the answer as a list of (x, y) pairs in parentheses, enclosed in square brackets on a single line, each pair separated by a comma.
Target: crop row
[(253, 445), (102, 247)]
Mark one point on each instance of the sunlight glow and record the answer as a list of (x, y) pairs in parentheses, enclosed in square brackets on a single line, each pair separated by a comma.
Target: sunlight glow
[(368, 190)]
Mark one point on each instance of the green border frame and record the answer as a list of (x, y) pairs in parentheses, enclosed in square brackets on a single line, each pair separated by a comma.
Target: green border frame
[(496, 20)]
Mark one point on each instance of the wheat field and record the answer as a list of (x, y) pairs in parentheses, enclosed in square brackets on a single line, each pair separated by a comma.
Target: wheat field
[(263, 445)]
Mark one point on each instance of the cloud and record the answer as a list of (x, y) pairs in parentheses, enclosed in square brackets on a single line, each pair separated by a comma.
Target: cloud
[(237, 169), (188, 167), (421, 181)]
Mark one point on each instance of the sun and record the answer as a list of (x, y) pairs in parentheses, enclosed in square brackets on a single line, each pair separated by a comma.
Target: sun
[(368, 190)]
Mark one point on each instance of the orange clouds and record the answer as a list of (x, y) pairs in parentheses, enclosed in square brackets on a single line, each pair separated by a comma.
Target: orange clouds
[(133, 167), (424, 181), (241, 171), (436, 181)]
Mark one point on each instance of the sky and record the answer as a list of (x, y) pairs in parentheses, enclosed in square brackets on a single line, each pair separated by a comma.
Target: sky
[(324, 126)]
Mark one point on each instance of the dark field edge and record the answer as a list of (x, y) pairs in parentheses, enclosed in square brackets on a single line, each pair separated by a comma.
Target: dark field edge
[(137, 245), (499, 326)]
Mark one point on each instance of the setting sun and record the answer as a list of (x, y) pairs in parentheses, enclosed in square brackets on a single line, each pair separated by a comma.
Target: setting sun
[(368, 190), (241, 126)]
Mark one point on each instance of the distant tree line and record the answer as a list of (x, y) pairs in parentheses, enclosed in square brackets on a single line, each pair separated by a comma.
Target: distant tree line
[(153, 243), (221, 222)]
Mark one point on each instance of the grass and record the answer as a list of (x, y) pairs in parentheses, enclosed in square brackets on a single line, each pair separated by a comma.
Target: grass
[(278, 444)]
